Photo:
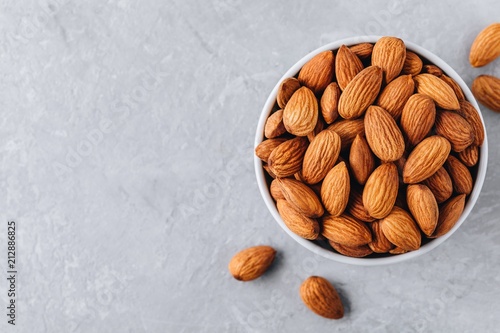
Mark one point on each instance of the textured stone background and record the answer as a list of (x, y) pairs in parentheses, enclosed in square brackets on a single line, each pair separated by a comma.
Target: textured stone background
[(126, 141)]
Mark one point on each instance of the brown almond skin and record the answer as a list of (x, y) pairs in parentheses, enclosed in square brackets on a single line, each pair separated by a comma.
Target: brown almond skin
[(395, 95), (433, 70), (320, 156), (299, 224), (440, 185), (356, 208), (398, 250), (423, 206), (455, 128), (427, 157), (486, 89), (362, 50), (381, 190), (301, 197), (418, 117), (469, 156), (329, 103), (355, 252), (413, 64), (469, 113), (361, 160), (251, 263), (438, 90), (347, 130), (379, 243), (286, 159), (275, 191), (318, 72), (268, 170), (274, 125), (383, 134), (486, 46), (389, 53), (347, 66), (335, 189), (286, 90), (401, 230), (301, 112), (320, 125), (346, 230), (449, 214), (266, 147), (460, 175), (360, 93), (454, 85), (321, 297)]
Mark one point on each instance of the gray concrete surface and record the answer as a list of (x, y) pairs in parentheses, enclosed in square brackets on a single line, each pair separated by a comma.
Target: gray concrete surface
[(126, 141)]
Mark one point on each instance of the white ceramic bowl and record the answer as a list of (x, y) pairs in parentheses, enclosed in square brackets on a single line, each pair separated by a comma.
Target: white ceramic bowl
[(264, 188)]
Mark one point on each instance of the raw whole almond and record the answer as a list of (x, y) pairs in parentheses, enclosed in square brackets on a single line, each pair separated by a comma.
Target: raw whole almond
[(361, 160), (454, 85), (395, 95), (469, 113), (318, 72), (347, 130), (351, 251), (301, 197), (362, 50), (389, 53), (486, 89), (438, 90), (417, 118), (440, 185), (286, 90), (251, 263), (460, 175), (299, 224), (423, 206), (347, 66), (301, 112), (427, 157), (486, 46), (320, 156), (356, 208), (335, 189), (449, 214), (383, 134), (274, 125), (381, 190), (360, 93), (321, 297), (275, 191), (346, 230), (286, 159), (455, 128), (469, 156), (266, 147), (401, 230), (379, 243), (432, 69), (413, 64), (329, 103)]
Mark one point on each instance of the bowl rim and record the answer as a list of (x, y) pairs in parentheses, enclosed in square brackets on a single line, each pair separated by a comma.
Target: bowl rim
[(262, 184)]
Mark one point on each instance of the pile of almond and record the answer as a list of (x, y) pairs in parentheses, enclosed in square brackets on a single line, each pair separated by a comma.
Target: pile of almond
[(371, 150)]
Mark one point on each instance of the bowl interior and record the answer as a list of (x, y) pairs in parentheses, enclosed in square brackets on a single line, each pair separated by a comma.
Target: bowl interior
[(263, 185)]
